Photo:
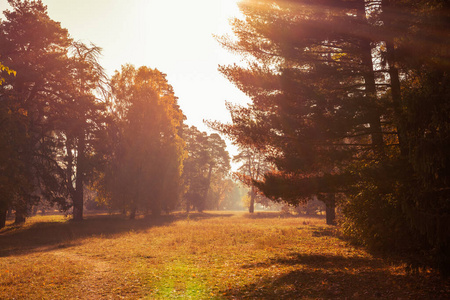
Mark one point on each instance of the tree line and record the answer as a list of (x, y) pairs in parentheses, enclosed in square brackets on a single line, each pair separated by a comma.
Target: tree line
[(66, 129), (350, 104)]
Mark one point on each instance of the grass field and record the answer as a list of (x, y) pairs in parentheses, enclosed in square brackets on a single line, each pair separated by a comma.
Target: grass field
[(215, 255)]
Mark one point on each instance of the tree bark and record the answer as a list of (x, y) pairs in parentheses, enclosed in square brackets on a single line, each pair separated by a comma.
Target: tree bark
[(188, 206), (21, 214), (156, 209), (208, 184), (374, 118), (397, 103), (78, 196), (3, 212), (251, 207), (395, 82), (330, 208), (133, 213), (371, 93)]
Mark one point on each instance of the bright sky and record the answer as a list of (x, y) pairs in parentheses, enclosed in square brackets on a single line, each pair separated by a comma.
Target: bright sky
[(174, 36)]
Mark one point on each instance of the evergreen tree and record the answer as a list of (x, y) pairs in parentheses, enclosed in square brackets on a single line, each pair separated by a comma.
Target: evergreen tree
[(350, 97), (314, 92)]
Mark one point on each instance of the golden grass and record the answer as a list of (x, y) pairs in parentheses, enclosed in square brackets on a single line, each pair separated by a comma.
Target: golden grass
[(214, 255)]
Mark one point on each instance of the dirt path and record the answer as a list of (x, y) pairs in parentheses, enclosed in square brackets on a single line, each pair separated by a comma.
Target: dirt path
[(95, 283)]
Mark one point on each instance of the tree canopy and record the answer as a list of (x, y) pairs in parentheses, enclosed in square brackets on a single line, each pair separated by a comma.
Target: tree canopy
[(205, 170), (145, 165), (347, 99), (36, 48)]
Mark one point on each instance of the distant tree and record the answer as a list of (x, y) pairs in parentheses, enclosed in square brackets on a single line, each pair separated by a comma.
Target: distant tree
[(233, 197), (218, 170), (145, 165), (219, 193), (253, 168), (205, 168)]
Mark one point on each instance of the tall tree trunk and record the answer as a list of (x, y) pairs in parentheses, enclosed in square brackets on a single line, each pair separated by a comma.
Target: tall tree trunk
[(188, 205), (395, 81), (208, 184), (397, 103), (78, 196), (133, 213), (156, 209), (251, 207), (374, 117), (330, 209), (21, 214), (3, 212)]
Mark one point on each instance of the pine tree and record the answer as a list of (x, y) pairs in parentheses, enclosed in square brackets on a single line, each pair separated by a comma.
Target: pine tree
[(313, 88)]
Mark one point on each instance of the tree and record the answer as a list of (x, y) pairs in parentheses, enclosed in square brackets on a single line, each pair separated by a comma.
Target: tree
[(349, 97), (219, 193), (254, 166), (145, 165), (81, 120), (410, 187), (36, 48), (218, 170), (205, 168), (233, 199), (11, 179), (6, 154), (313, 104)]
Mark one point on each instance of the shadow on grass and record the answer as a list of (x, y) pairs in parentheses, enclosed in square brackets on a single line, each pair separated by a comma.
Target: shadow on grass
[(328, 231), (204, 215), (21, 240), (337, 277), (277, 214), (319, 261)]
